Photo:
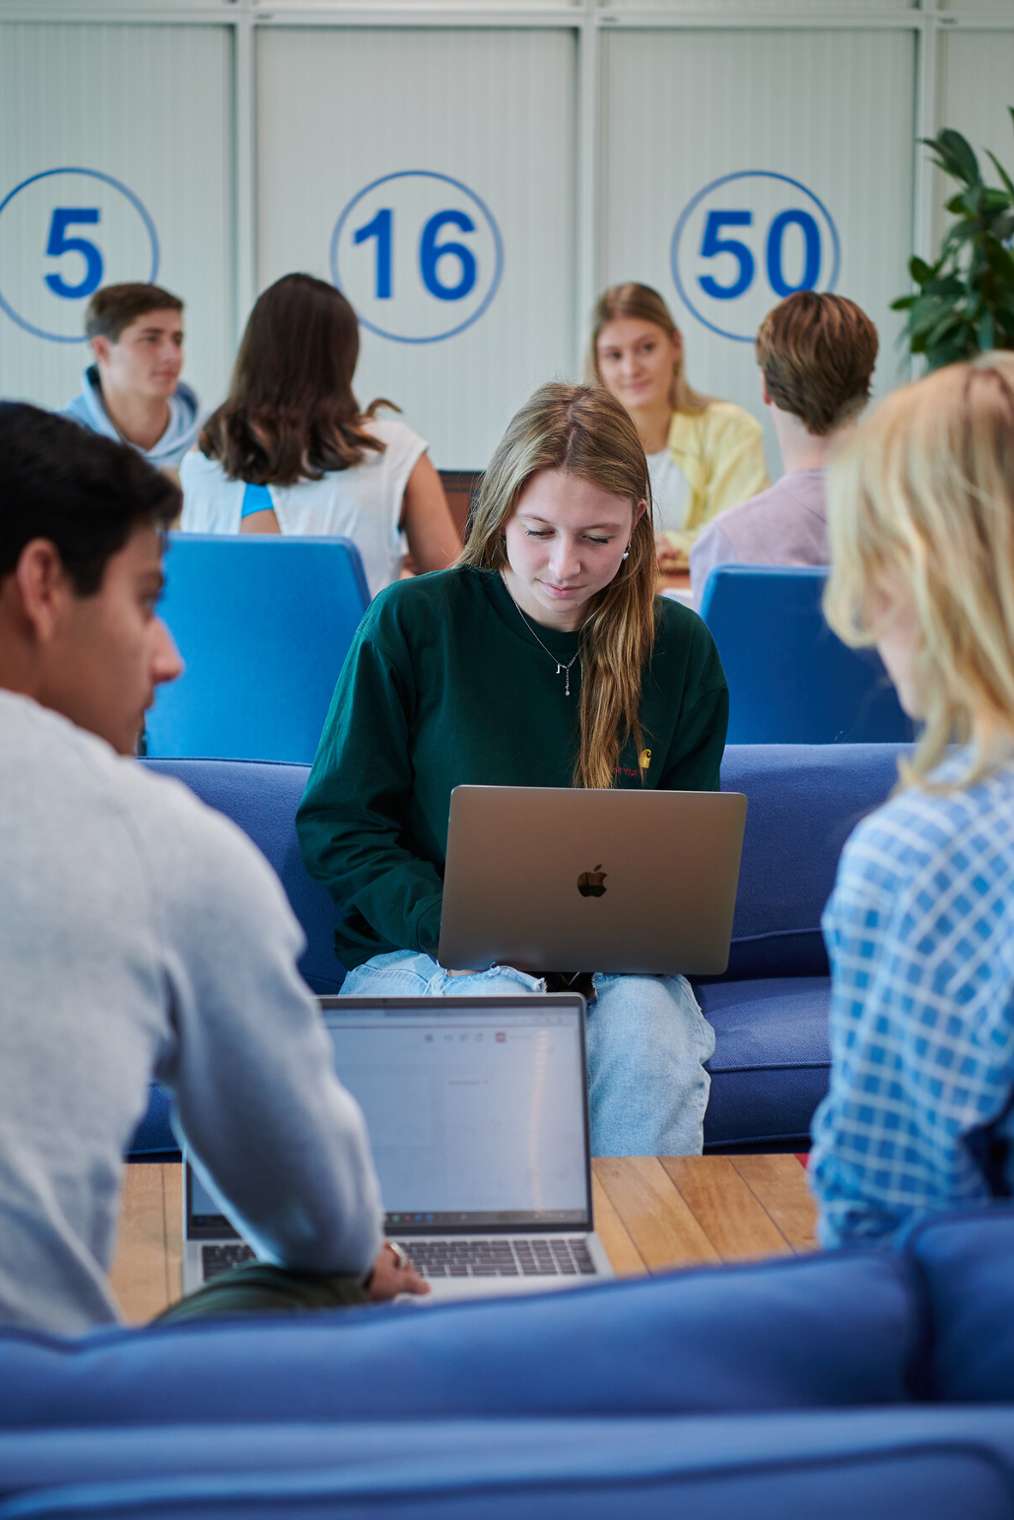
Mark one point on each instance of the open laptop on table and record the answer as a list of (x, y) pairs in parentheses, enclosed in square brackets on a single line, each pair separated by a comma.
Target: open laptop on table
[(478, 1118), (572, 879)]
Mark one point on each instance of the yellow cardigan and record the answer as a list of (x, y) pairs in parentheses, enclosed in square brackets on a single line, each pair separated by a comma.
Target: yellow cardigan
[(721, 453)]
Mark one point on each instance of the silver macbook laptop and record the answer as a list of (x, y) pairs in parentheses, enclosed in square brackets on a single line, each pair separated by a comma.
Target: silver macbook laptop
[(567, 879), (478, 1118)]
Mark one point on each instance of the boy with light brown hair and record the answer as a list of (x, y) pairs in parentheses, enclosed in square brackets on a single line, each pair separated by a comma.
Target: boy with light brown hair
[(816, 354)]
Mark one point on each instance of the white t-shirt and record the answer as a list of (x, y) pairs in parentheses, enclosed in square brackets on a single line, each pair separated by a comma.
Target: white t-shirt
[(364, 503), (670, 492)]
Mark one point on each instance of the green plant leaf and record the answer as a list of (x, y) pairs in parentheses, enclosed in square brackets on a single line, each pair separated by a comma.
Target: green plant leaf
[(950, 288), (947, 326), (966, 202), (952, 352), (958, 155), (943, 159), (1004, 176), (927, 312), (961, 232), (965, 300), (1000, 261)]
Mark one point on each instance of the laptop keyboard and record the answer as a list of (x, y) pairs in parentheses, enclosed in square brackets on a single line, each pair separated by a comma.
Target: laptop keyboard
[(454, 1258), (218, 1259), (500, 1258)]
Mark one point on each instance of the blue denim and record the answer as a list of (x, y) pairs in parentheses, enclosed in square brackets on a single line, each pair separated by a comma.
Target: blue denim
[(647, 1043)]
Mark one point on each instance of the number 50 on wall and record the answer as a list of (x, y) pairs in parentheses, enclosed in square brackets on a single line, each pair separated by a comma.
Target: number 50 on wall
[(746, 241)]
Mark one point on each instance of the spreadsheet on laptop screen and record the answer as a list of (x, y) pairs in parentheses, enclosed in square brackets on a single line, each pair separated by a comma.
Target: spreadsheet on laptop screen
[(476, 1115)]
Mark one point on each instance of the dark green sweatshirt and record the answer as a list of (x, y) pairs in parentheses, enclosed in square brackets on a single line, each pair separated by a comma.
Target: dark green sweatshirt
[(444, 684)]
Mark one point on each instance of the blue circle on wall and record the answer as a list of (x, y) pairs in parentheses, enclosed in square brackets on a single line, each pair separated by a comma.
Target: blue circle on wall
[(745, 241), (413, 247), (44, 223)]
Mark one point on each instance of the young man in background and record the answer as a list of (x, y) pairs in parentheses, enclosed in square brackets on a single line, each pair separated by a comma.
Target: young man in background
[(816, 355), (133, 390)]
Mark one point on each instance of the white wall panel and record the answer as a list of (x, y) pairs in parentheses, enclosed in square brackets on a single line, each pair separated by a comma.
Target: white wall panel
[(747, 8), (976, 87), (493, 110), (149, 107), (513, 7), (998, 8), (832, 110)]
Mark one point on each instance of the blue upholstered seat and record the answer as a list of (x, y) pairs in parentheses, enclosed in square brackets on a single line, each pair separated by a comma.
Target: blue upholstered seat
[(791, 681), (263, 623)]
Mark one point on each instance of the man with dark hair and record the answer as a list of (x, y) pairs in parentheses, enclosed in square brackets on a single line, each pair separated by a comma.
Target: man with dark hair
[(816, 354), (142, 934), (133, 390)]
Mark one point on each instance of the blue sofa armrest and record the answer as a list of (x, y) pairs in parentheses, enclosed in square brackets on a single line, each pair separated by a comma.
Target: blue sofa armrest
[(832, 1330), (963, 1261), (878, 1465)]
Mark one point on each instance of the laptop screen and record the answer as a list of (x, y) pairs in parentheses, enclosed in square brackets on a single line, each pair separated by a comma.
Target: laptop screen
[(475, 1109)]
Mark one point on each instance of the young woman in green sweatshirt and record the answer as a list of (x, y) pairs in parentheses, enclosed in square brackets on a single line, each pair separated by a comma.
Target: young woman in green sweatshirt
[(542, 658)]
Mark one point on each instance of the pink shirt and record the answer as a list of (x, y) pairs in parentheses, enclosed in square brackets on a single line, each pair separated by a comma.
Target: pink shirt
[(784, 525)]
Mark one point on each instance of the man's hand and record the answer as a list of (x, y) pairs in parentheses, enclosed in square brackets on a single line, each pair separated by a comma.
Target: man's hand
[(392, 1274)]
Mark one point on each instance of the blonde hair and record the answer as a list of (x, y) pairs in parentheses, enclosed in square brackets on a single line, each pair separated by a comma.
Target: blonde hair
[(646, 305), (922, 495), (584, 432)]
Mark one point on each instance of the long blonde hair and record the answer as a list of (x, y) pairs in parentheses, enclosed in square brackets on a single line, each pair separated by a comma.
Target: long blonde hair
[(646, 305), (586, 433), (922, 495)]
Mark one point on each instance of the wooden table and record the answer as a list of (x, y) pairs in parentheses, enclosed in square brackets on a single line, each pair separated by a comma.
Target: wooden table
[(651, 1213), (674, 580)]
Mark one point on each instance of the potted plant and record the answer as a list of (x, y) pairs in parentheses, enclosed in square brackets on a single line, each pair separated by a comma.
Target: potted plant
[(965, 301)]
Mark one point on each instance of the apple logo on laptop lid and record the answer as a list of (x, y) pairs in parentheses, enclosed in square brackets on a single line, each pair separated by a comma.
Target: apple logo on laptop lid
[(592, 883)]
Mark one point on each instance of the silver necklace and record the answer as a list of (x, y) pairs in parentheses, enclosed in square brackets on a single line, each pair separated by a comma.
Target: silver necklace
[(561, 669)]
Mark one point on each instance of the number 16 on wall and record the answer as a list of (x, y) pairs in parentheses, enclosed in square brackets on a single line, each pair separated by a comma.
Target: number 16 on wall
[(418, 254)]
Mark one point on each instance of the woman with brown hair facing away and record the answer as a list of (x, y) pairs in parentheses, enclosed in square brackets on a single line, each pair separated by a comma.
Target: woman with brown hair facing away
[(703, 455), (542, 658), (289, 451)]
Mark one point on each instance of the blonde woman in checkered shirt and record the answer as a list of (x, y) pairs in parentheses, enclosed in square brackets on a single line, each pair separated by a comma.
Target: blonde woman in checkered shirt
[(920, 927)]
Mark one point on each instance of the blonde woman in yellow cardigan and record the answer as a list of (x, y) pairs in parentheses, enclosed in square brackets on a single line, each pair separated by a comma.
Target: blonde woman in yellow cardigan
[(703, 454)]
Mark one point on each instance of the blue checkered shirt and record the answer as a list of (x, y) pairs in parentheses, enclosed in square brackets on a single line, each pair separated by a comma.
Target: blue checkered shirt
[(920, 933)]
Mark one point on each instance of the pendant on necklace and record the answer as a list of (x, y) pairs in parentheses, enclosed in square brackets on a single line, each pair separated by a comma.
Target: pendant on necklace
[(566, 678)]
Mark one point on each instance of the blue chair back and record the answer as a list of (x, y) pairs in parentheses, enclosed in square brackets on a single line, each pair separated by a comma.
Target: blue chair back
[(263, 623), (791, 680)]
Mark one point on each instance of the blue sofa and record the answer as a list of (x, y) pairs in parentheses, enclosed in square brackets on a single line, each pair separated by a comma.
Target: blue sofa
[(769, 1009), (872, 1383)]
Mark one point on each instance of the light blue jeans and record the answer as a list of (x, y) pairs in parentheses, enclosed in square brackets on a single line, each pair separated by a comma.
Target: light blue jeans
[(647, 1043)]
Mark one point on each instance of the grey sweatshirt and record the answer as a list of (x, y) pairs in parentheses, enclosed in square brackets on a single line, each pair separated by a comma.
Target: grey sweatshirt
[(180, 435), (141, 935)]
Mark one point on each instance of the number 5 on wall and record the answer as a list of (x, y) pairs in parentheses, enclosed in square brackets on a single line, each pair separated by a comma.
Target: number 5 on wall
[(59, 243), (712, 242)]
